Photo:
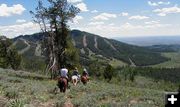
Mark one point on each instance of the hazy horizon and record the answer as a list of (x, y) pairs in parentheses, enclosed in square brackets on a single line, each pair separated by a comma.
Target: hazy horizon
[(151, 40), (114, 37), (147, 36)]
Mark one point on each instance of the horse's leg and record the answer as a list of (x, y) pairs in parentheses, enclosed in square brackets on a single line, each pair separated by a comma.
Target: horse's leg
[(84, 80), (64, 88), (61, 88), (73, 81), (61, 85)]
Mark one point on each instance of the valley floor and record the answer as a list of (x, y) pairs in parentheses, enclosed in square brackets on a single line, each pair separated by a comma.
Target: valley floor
[(24, 89), (174, 61)]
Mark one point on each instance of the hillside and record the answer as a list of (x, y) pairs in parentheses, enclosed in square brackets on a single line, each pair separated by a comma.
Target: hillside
[(174, 61), (91, 46), (20, 88), (164, 48), (170, 51)]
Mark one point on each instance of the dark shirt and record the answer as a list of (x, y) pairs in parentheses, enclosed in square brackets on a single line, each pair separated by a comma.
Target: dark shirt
[(75, 73), (85, 73)]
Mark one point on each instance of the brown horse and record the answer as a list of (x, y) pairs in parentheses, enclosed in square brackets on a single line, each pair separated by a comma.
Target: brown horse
[(84, 79), (62, 84)]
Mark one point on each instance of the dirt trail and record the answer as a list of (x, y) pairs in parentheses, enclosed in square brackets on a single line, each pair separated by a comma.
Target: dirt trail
[(74, 42), (110, 44), (49, 103), (84, 41), (15, 43), (132, 63), (68, 103), (25, 49), (96, 43), (38, 50), (68, 100), (3, 101)]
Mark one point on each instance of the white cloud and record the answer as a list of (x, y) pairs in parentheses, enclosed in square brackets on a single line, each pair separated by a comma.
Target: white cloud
[(77, 19), (82, 7), (124, 14), (105, 31), (94, 11), (19, 29), (20, 21), (165, 11), (155, 24), (164, 3), (111, 30), (96, 23), (74, 1), (6, 11), (128, 26), (111, 24), (128, 29), (152, 22), (138, 17), (152, 3), (104, 16), (158, 25), (158, 3)]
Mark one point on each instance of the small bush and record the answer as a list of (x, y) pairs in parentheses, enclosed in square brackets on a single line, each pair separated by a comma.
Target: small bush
[(11, 93), (129, 73), (16, 103)]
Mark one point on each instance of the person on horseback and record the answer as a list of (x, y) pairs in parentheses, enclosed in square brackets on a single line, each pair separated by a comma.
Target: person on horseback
[(85, 73), (84, 77), (76, 73), (64, 74), (75, 76)]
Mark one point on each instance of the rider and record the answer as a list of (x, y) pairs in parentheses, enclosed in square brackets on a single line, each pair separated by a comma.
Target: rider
[(76, 73), (85, 73), (64, 74)]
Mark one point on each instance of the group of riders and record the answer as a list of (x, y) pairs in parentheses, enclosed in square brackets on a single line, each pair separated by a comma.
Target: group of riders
[(75, 77)]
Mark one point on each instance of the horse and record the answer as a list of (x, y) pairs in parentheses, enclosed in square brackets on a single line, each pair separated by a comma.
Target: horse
[(74, 80), (84, 79), (62, 84)]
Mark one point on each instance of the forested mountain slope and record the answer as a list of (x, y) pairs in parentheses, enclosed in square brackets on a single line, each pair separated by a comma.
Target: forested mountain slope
[(89, 44)]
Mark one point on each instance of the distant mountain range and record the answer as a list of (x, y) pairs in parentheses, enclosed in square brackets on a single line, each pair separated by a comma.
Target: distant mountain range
[(164, 48), (154, 40), (93, 45)]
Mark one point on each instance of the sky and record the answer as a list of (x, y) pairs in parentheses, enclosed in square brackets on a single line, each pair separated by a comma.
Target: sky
[(107, 18)]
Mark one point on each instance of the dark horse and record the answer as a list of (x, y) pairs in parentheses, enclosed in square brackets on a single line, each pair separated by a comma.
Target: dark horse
[(84, 79), (62, 84)]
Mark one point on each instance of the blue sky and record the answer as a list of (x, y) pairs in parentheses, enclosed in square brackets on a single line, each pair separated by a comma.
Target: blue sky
[(108, 18)]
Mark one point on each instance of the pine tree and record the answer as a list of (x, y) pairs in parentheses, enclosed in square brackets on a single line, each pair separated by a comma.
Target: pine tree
[(108, 72), (57, 43), (14, 58), (9, 56)]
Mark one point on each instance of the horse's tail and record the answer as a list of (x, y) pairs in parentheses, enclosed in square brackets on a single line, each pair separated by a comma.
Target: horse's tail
[(84, 79), (62, 84), (74, 80)]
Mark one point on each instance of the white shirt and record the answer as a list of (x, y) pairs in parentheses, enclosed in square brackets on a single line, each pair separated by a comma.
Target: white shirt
[(64, 72)]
